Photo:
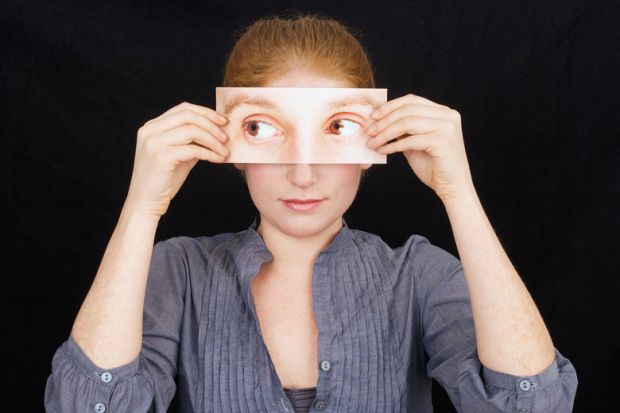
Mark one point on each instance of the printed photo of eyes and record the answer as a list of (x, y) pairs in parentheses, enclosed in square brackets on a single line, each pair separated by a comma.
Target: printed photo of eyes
[(299, 125)]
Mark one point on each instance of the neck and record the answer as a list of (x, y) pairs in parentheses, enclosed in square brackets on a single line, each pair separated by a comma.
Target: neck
[(294, 258)]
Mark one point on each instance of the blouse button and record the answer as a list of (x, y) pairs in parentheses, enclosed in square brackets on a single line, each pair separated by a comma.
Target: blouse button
[(320, 405), (106, 377), (100, 407), (525, 385), (325, 366)]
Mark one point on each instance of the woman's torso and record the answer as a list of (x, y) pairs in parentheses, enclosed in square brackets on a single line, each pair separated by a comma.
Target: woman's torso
[(348, 333)]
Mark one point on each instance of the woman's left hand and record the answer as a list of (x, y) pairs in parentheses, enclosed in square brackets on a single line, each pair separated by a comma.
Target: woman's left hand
[(430, 137)]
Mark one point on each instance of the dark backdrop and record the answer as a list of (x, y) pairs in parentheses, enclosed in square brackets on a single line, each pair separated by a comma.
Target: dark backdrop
[(536, 84)]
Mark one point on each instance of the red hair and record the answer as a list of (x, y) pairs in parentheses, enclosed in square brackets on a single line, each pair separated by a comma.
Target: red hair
[(272, 46)]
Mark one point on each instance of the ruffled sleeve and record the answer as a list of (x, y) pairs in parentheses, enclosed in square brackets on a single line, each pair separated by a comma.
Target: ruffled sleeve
[(450, 344), (146, 384)]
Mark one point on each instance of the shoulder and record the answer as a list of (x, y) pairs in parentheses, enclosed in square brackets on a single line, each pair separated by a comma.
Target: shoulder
[(423, 253), (416, 248), (204, 249), (417, 257)]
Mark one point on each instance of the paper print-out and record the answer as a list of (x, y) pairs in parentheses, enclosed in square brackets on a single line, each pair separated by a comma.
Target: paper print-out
[(299, 125)]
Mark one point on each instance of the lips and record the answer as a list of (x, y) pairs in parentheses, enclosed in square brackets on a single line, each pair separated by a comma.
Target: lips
[(302, 204)]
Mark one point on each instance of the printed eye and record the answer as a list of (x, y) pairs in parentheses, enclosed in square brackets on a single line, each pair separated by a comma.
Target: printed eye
[(259, 129), (344, 127)]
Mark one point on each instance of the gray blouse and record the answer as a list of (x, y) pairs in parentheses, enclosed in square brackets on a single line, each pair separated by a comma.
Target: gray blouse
[(389, 320)]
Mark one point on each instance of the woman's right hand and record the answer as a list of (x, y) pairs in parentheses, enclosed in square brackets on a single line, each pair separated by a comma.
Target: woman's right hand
[(167, 148)]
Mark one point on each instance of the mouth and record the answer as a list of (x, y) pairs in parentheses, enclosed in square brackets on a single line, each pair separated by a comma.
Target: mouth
[(302, 204)]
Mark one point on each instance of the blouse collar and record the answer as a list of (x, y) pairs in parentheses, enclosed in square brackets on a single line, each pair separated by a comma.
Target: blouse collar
[(251, 239), (253, 252)]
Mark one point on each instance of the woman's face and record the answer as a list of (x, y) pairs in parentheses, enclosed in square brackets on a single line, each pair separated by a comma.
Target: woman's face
[(335, 185)]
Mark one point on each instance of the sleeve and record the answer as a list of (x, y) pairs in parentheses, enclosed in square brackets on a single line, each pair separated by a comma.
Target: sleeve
[(146, 384), (450, 344)]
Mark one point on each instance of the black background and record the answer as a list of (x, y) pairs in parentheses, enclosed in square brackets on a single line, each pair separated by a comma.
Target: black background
[(536, 84)]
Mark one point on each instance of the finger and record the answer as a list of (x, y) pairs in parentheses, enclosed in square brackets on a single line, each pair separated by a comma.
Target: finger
[(393, 104), (416, 142), (202, 110), (186, 134), (183, 117), (189, 152), (409, 125), (209, 113), (408, 109)]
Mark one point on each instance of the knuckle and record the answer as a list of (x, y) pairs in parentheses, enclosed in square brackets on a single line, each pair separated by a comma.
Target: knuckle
[(151, 147), (141, 133), (450, 126), (190, 129), (455, 114), (187, 112)]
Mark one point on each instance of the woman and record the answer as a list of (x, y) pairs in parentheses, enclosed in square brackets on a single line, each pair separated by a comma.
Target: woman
[(300, 311)]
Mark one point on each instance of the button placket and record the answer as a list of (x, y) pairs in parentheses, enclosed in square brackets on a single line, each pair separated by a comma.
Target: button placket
[(102, 391), (524, 403), (328, 354)]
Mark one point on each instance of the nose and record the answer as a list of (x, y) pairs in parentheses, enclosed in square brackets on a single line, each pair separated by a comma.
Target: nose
[(302, 174)]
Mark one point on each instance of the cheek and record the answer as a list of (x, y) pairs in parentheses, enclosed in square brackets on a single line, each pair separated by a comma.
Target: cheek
[(261, 177), (346, 174), (343, 181)]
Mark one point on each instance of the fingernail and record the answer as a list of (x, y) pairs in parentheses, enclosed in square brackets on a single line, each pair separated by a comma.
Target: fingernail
[(223, 136), (374, 114), (221, 118), (372, 128), (371, 142)]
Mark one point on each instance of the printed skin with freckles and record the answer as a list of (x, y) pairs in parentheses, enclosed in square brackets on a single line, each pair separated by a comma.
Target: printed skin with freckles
[(299, 125)]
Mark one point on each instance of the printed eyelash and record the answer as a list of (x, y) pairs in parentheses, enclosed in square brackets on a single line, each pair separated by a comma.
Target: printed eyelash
[(256, 120)]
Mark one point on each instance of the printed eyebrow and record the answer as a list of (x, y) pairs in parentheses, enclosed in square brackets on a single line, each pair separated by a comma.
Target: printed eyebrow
[(239, 100), (247, 100), (358, 99)]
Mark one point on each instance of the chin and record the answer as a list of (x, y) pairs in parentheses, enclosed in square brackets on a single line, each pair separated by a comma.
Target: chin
[(303, 225)]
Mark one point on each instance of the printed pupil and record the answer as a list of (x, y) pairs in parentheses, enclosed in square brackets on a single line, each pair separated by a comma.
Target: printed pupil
[(253, 127), (337, 125)]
